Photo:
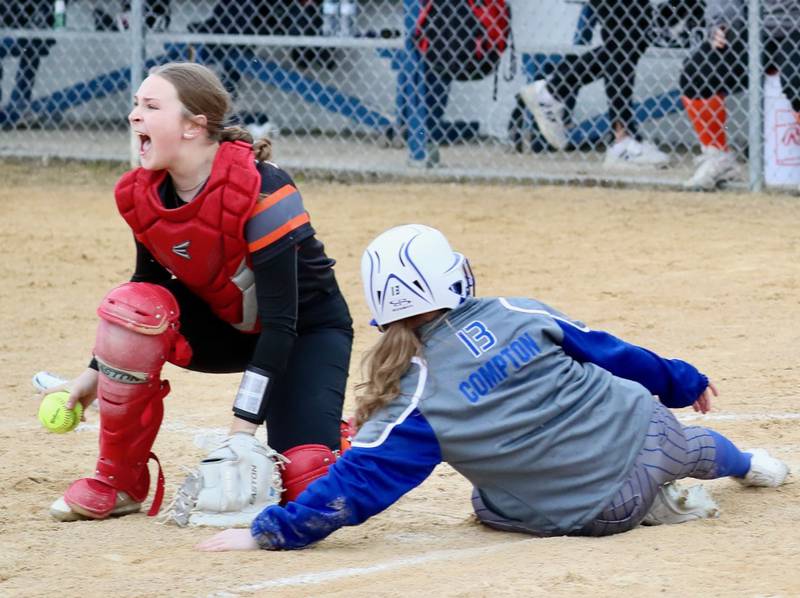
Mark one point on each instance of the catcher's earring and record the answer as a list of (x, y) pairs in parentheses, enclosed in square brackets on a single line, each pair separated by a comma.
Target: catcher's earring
[(188, 136)]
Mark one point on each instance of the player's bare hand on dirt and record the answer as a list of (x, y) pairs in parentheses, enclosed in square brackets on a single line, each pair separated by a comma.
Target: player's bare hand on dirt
[(229, 539), (718, 38), (703, 402)]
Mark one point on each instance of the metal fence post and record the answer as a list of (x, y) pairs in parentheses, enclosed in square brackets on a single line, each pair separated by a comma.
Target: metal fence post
[(137, 65), (755, 98)]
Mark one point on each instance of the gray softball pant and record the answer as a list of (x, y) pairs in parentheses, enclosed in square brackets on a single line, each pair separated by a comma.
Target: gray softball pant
[(671, 451)]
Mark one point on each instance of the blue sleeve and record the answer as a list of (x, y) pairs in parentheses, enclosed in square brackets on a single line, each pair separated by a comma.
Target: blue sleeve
[(677, 383), (364, 481)]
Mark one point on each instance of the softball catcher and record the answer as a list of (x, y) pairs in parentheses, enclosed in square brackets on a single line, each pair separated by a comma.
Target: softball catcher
[(229, 277)]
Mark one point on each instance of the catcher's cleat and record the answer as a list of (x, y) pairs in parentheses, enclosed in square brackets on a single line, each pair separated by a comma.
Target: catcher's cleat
[(61, 511), (674, 504)]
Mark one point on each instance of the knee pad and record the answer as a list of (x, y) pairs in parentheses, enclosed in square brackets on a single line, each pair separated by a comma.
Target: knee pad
[(138, 332), (307, 463)]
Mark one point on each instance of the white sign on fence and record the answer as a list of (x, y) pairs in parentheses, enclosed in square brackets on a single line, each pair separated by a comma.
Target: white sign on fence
[(781, 136)]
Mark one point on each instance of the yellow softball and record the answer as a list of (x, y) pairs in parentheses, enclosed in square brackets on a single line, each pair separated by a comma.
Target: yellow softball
[(55, 416)]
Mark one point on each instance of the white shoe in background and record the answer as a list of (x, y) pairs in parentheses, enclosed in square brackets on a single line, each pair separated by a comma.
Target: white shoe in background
[(630, 152), (548, 112), (765, 470), (43, 380), (715, 166)]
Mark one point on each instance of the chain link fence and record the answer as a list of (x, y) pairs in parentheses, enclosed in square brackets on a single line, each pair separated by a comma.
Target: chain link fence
[(666, 92)]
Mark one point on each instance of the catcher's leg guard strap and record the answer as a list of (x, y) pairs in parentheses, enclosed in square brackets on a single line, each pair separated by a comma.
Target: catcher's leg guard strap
[(306, 463), (137, 333)]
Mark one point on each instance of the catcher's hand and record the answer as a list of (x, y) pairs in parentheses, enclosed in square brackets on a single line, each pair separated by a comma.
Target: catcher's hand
[(232, 485)]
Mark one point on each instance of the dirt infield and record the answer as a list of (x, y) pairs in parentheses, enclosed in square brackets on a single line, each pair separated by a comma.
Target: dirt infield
[(714, 279)]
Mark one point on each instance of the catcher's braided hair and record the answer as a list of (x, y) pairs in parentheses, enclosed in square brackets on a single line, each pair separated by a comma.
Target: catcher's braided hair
[(384, 365), (201, 92)]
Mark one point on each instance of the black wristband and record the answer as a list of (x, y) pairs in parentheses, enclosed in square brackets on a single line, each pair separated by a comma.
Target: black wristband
[(250, 403), (93, 364)]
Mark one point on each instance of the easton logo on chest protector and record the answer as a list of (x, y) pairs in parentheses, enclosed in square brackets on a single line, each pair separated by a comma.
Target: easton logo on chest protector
[(182, 249)]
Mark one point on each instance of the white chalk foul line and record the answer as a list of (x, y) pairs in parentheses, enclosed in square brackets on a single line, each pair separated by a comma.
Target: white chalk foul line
[(324, 576), (747, 417)]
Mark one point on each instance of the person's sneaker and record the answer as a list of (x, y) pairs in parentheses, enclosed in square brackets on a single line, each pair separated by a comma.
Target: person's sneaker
[(715, 166), (765, 471), (674, 504), (61, 511), (43, 380), (548, 112), (633, 153)]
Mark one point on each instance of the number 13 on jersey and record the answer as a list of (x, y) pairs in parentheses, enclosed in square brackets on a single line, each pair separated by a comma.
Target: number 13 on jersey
[(477, 338)]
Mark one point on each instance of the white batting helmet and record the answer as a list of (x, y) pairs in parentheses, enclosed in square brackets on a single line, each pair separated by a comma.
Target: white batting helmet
[(410, 270)]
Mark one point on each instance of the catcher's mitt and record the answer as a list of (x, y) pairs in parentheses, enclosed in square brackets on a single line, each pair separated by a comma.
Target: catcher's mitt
[(232, 485)]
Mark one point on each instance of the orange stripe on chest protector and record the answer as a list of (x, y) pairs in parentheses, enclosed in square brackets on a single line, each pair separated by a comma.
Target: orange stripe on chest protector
[(294, 223), (272, 199)]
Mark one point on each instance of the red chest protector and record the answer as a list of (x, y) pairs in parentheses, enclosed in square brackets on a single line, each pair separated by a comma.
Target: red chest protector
[(202, 243)]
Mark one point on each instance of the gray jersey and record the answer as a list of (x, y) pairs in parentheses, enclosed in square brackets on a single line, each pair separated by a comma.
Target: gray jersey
[(547, 418), (548, 440)]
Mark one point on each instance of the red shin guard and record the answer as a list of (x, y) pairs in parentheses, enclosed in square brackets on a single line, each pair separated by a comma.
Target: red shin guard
[(138, 332)]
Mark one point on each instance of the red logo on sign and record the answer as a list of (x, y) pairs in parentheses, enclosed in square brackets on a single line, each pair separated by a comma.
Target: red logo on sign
[(791, 136), (787, 133)]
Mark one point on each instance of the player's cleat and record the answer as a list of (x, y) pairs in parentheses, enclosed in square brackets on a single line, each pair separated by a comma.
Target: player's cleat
[(674, 504), (715, 166), (548, 112), (765, 471), (61, 511), (632, 153)]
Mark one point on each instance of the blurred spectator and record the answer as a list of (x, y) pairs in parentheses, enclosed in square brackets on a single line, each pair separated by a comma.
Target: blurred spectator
[(23, 14), (261, 17), (627, 31), (719, 67), (458, 40), (156, 17)]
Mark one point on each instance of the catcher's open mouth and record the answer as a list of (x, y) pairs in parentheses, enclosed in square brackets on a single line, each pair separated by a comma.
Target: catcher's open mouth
[(144, 143)]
